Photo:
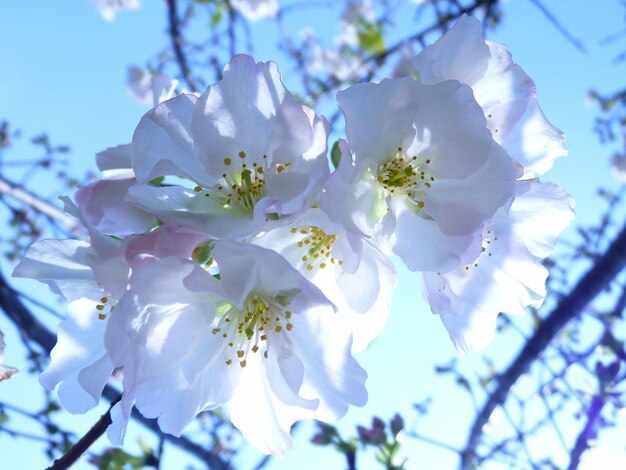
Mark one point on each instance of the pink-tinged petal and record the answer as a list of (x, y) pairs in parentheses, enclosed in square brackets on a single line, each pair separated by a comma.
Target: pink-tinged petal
[(163, 144), (164, 242), (103, 205)]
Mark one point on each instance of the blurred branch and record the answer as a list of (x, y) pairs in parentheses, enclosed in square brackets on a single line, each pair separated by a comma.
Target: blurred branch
[(177, 45), (37, 203), (593, 282), (32, 329), (588, 432), (557, 24)]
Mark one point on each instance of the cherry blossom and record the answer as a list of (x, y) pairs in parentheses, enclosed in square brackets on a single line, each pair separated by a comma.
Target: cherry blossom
[(109, 9), (261, 338), (351, 272), (252, 153), (508, 275), (254, 10), (424, 173), (504, 91), (150, 88)]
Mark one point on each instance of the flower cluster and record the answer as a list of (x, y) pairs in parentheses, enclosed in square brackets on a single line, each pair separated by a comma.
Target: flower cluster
[(227, 265)]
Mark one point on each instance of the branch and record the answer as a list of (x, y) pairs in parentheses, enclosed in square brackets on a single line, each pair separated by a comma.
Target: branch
[(37, 203), (588, 432), (594, 281), (85, 442), (557, 24), (177, 45), (32, 329)]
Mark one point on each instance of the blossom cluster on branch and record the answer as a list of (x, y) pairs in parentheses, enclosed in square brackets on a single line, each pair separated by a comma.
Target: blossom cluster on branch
[(227, 265)]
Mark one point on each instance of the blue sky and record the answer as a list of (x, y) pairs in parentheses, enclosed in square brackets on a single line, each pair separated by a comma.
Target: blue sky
[(64, 72)]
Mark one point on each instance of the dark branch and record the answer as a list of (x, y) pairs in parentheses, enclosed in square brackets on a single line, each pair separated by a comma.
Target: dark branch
[(85, 442), (594, 281)]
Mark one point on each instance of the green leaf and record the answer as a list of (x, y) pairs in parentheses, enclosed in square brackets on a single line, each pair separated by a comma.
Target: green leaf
[(371, 38), (335, 154), (216, 17)]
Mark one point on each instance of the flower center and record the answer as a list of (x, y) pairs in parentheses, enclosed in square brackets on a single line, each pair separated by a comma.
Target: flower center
[(406, 177), (243, 184), (251, 328), (317, 246)]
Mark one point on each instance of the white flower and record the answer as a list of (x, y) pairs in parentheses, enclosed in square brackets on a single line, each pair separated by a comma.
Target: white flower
[(6, 372), (150, 88), (504, 91), (254, 155), (92, 277), (255, 10), (351, 272), (343, 64), (261, 338), (425, 174), (508, 275), (109, 9)]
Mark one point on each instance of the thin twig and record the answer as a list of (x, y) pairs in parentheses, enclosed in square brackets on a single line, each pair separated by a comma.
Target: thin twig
[(557, 24), (177, 45)]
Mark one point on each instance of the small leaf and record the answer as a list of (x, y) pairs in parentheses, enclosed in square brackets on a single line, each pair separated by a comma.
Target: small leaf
[(335, 154)]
